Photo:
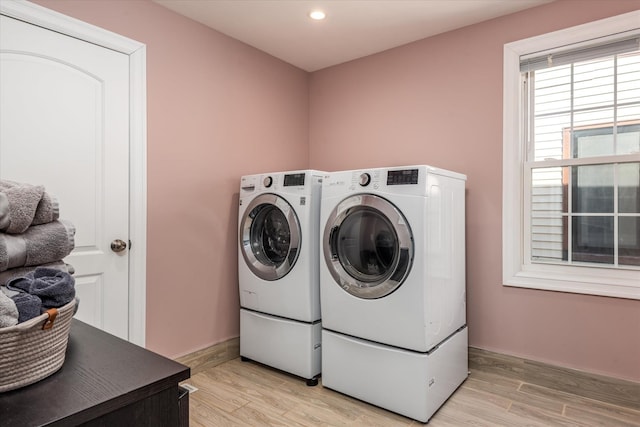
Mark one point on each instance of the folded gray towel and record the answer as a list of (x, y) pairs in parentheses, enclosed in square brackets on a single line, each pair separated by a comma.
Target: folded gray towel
[(49, 242), (8, 311), (12, 273), (23, 202), (54, 287), (48, 210), (4, 255), (5, 217), (40, 244)]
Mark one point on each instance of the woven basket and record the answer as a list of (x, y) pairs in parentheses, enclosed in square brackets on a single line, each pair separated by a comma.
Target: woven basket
[(31, 351)]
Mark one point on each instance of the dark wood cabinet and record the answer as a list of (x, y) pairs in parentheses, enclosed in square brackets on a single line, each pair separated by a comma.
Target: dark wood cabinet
[(105, 381)]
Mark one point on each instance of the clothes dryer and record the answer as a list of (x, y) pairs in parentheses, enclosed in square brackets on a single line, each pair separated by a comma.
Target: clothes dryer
[(278, 271), (392, 286)]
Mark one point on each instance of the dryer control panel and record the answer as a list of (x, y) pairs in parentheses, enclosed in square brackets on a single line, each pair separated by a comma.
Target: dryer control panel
[(418, 180), (294, 179), (303, 182), (251, 183), (402, 177), (365, 179)]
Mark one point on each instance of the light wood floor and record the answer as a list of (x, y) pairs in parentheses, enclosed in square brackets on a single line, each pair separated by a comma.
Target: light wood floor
[(500, 391)]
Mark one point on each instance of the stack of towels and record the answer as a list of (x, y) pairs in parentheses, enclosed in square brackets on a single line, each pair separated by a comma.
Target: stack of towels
[(33, 242)]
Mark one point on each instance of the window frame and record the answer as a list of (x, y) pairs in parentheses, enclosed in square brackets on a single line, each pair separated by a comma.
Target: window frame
[(517, 269)]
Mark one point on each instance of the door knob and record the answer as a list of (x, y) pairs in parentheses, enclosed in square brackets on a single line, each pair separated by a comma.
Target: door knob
[(118, 245)]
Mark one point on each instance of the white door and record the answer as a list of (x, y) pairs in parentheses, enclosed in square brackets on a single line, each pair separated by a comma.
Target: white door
[(64, 124)]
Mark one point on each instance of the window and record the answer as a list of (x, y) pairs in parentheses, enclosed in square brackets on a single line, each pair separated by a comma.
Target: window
[(571, 164)]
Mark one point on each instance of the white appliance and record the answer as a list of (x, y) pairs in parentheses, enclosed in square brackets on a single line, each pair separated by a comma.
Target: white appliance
[(278, 271), (392, 286)]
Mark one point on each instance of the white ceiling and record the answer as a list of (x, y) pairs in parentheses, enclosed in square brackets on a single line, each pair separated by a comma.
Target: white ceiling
[(352, 29)]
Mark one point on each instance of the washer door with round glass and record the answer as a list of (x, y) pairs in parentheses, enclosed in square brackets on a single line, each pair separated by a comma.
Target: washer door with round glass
[(368, 246), (270, 237)]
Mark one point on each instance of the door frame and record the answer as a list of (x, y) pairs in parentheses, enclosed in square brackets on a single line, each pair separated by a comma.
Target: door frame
[(55, 21)]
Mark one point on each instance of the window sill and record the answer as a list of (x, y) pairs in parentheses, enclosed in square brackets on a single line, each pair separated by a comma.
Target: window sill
[(580, 280)]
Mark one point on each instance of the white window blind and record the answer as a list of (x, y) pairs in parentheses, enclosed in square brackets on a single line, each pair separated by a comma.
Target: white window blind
[(592, 49)]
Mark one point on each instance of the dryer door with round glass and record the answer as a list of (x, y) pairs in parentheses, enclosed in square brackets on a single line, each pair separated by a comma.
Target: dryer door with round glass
[(368, 246), (270, 237)]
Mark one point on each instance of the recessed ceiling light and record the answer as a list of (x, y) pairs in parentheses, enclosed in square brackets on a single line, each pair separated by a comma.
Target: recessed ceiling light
[(317, 15)]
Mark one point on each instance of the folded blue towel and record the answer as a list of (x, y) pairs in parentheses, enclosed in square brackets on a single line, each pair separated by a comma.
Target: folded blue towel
[(54, 287), (13, 273), (29, 306)]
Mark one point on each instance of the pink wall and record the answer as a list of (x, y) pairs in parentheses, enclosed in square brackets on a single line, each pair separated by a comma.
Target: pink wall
[(439, 101), (217, 109)]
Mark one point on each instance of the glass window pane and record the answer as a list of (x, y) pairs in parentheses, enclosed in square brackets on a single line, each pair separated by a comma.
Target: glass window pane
[(549, 190), (548, 204), (628, 138), (550, 135), (629, 241), (592, 239), (592, 189), (596, 142), (549, 237), (628, 113), (593, 118), (629, 78), (629, 188), (593, 83), (552, 90)]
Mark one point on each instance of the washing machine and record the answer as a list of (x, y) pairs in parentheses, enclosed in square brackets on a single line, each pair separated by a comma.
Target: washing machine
[(392, 286), (278, 271)]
